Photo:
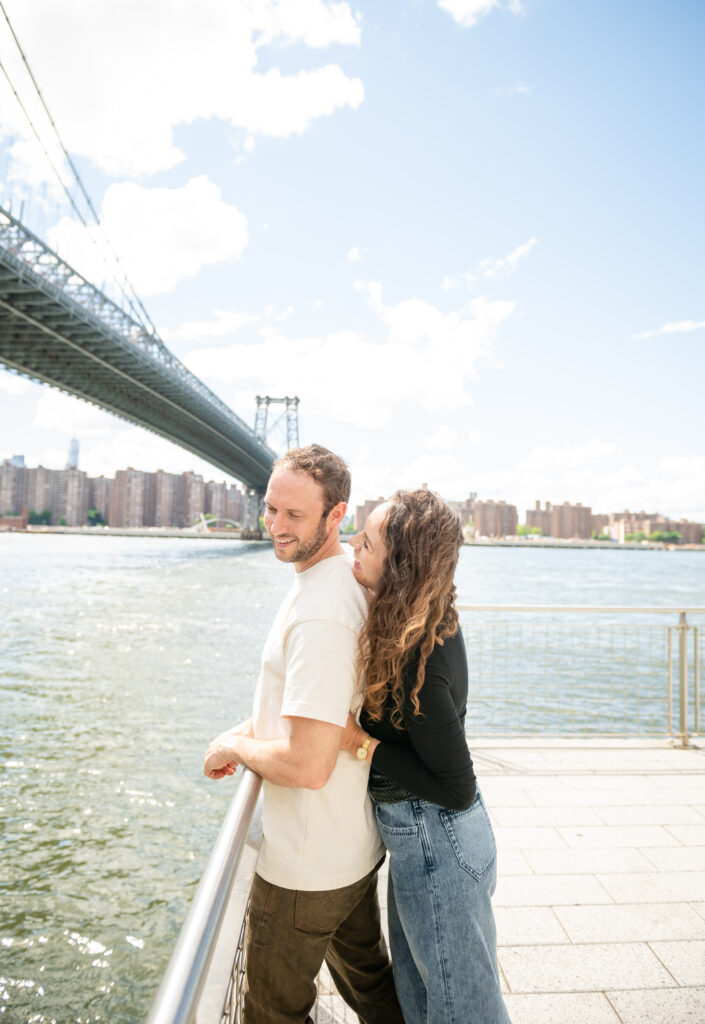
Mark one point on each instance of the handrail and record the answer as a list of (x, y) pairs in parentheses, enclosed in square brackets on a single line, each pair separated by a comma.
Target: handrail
[(622, 609), (182, 984)]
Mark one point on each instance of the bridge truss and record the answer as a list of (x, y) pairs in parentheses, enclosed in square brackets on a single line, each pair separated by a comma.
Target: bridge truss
[(57, 328)]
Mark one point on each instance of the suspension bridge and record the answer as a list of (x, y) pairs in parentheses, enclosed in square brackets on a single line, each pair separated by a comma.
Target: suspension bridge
[(57, 328)]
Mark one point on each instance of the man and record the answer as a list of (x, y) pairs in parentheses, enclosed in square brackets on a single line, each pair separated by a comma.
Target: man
[(314, 895)]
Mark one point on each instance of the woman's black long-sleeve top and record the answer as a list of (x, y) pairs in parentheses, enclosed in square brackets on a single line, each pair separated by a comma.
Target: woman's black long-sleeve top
[(429, 757)]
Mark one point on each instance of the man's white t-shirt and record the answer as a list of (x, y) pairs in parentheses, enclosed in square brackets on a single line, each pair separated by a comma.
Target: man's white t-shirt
[(324, 838)]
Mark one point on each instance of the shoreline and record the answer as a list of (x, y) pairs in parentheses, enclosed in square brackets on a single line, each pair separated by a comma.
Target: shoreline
[(192, 533), (602, 545), (162, 532)]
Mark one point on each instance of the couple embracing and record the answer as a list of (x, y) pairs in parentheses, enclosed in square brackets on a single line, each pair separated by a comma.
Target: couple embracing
[(380, 639)]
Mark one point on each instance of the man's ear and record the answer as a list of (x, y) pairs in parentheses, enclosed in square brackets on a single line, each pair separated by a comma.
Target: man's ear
[(337, 514)]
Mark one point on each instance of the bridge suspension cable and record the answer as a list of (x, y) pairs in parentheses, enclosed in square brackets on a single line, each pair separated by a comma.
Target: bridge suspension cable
[(128, 292)]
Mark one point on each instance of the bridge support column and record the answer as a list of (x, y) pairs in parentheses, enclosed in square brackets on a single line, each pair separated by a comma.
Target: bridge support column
[(254, 498)]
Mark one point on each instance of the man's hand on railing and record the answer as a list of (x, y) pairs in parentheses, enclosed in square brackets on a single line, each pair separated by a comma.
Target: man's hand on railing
[(303, 760), (220, 760)]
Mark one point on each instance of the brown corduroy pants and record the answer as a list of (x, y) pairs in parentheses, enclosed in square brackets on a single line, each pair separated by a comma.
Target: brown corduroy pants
[(291, 932)]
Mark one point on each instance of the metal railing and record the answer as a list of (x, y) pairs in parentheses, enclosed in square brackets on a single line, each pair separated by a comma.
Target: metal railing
[(534, 670), (203, 983), (195, 984)]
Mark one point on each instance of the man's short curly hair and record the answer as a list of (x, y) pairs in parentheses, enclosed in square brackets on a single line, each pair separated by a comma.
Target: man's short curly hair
[(326, 468)]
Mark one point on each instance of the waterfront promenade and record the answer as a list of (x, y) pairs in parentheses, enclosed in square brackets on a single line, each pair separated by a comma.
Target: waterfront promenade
[(600, 901)]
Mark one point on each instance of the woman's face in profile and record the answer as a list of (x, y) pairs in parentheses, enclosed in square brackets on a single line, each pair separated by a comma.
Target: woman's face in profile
[(370, 549)]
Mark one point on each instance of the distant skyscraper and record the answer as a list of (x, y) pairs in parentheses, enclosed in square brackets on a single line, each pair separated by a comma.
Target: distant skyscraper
[(18, 461), (73, 454)]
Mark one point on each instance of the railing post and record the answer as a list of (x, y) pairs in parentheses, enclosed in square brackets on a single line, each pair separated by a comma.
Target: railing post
[(696, 682), (682, 628), (670, 680)]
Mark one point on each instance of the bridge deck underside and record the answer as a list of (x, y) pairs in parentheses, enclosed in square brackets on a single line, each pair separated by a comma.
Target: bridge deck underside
[(53, 340)]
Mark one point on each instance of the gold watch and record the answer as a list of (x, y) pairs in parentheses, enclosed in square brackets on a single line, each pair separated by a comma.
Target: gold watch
[(361, 752)]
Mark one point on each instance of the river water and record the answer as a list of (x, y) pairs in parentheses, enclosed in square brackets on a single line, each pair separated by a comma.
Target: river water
[(119, 659)]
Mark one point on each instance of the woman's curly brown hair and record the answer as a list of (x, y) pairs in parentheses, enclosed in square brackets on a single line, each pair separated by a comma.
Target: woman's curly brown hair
[(414, 605)]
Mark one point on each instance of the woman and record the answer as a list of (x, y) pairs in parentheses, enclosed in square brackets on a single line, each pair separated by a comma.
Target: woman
[(442, 855)]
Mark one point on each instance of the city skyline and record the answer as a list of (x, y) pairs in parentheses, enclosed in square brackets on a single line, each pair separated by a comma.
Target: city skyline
[(467, 234), (165, 499)]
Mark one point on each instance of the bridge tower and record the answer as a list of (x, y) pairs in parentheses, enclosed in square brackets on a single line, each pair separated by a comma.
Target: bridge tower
[(281, 434), (264, 429)]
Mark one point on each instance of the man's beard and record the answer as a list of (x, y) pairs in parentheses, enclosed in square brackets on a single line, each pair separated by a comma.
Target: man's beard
[(305, 549)]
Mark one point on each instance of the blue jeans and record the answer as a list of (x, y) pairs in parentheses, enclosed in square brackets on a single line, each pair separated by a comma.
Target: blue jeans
[(442, 873)]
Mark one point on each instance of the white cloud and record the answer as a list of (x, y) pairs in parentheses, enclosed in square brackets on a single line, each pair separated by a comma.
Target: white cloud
[(425, 359), (11, 384), (597, 474), (674, 327), (204, 57), (684, 477), (278, 316), (518, 89), (442, 472), (163, 236), (315, 23), (441, 440), (29, 175), (453, 476), (571, 458), (508, 264), (354, 255), (283, 105), (107, 443), (225, 321), (491, 268), (468, 12), (60, 413), (141, 449)]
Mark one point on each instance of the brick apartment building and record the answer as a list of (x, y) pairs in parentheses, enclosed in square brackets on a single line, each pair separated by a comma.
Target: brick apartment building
[(64, 492), (99, 495), (563, 522), (235, 508), (362, 511), (620, 524), (495, 519), (465, 509), (133, 499), (76, 492), (216, 500), (127, 499)]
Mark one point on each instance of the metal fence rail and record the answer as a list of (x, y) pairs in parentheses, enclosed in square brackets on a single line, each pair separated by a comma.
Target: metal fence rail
[(536, 670), (188, 990)]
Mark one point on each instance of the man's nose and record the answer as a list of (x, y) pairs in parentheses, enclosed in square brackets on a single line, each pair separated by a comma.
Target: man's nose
[(277, 524)]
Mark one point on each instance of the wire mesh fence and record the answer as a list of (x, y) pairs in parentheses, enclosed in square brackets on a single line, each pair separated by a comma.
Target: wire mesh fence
[(329, 1008), (537, 672)]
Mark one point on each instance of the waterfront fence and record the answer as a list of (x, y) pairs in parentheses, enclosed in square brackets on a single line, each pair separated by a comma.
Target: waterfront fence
[(532, 670), (589, 671)]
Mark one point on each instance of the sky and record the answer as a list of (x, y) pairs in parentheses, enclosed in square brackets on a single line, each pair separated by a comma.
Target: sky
[(468, 234)]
